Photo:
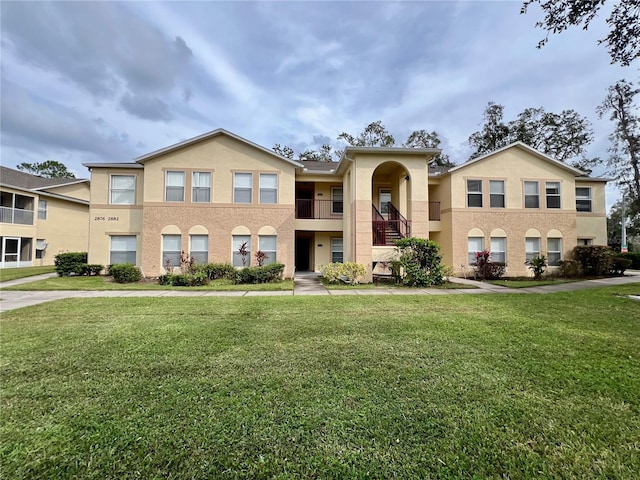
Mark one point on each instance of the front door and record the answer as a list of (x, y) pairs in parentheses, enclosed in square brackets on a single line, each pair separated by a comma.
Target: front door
[(303, 251), (385, 200)]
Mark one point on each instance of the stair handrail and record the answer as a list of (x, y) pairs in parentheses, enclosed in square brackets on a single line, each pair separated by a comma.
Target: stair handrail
[(398, 221)]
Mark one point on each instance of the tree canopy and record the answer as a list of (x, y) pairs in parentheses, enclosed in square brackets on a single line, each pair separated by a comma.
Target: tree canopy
[(623, 40), (624, 159), (47, 169), (563, 136)]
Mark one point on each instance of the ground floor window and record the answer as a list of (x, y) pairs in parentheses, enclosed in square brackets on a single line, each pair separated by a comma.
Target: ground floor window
[(171, 250), (532, 248), (241, 246), (268, 244), (554, 251), (123, 249), (474, 245), (499, 250), (337, 251), (199, 249), (585, 242)]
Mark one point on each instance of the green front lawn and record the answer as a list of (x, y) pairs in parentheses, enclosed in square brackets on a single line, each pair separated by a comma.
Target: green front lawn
[(7, 274), (530, 282), (497, 386), (105, 283)]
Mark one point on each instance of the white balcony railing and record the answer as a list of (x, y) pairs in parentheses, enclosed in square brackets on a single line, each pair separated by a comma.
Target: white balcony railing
[(16, 215)]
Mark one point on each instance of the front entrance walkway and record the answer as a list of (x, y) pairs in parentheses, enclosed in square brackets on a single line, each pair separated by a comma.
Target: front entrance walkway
[(308, 283)]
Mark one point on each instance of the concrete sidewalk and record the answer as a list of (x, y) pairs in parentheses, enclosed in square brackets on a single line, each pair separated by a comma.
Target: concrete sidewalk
[(305, 284)]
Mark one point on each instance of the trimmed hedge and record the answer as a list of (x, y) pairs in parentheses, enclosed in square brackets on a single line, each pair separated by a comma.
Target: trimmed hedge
[(266, 274), (184, 279), (68, 263), (594, 260), (125, 273), (634, 257), (216, 271)]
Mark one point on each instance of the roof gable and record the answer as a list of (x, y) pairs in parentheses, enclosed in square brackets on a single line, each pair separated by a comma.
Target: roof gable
[(210, 135), (526, 148)]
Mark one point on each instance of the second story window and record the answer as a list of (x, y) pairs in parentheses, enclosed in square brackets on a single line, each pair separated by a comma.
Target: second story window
[(42, 209), (583, 199), (201, 187), (531, 195), (122, 190), (474, 193), (242, 187), (268, 188), (552, 190), (496, 193), (174, 187), (337, 201)]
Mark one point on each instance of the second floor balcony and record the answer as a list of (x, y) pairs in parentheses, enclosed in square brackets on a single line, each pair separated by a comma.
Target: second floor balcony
[(319, 209), (16, 215)]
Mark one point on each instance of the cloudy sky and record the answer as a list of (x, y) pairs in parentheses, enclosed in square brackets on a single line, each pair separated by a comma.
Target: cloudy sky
[(93, 82)]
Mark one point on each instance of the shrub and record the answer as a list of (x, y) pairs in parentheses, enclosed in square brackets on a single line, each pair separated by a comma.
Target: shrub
[(90, 269), (593, 259), (569, 269), (68, 263), (125, 273), (537, 265), (348, 272), (486, 269), (634, 257), (216, 271), (618, 264), (268, 273), (184, 279), (420, 260)]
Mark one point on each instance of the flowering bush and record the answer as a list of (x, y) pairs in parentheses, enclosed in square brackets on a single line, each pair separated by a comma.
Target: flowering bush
[(348, 272)]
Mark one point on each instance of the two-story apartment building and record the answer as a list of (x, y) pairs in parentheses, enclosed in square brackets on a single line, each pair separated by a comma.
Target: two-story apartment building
[(211, 195), (41, 217)]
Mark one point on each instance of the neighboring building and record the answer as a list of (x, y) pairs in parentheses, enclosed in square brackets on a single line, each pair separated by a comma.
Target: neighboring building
[(41, 217), (209, 195)]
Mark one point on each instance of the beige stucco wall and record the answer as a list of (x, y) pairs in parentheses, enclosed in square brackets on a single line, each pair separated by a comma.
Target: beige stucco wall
[(322, 248), (101, 182), (66, 229), (222, 156), (81, 191)]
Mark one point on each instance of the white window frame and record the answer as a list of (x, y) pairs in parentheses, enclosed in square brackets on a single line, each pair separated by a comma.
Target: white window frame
[(499, 252), (126, 241), (499, 197), (268, 248), (532, 196), (201, 255), (337, 250), (173, 255), (42, 209), (267, 191), (554, 257), (472, 249), (170, 176), (337, 200), (236, 258), (129, 199), (552, 196), (475, 194), (198, 190), (238, 188), (531, 248), (586, 200)]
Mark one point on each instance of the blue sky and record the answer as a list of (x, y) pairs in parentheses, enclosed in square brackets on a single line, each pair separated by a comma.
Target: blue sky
[(92, 82)]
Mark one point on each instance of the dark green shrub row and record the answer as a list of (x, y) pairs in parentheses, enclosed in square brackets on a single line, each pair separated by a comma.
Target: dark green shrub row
[(266, 274), (635, 259), (68, 263), (618, 264), (216, 271), (593, 259), (125, 273), (184, 279), (90, 269)]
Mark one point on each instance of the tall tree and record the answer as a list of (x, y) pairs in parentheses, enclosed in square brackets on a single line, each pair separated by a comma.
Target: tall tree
[(624, 160), (623, 40), (563, 136), (424, 139), (374, 135), (324, 154), (47, 169), (614, 224), (283, 151)]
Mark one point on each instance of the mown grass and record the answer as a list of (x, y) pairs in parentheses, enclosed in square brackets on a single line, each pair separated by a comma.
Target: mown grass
[(105, 283), (7, 274), (529, 282), (499, 386)]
